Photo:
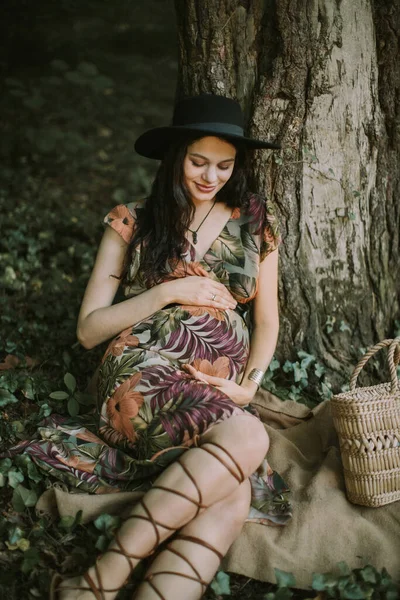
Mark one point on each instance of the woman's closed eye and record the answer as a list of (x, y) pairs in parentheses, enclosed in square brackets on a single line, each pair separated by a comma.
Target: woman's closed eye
[(223, 168)]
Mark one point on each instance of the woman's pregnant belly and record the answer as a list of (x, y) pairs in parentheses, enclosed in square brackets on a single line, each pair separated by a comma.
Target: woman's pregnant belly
[(184, 334)]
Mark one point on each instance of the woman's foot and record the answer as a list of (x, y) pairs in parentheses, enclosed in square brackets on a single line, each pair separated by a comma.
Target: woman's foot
[(84, 587), (70, 594)]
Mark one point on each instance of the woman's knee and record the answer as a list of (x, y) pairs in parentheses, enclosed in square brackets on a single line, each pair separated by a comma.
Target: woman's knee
[(261, 437), (244, 436)]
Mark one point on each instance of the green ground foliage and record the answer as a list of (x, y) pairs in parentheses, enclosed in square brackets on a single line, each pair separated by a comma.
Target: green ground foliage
[(80, 82)]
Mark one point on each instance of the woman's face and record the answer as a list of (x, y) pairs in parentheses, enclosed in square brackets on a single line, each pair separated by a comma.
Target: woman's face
[(207, 166)]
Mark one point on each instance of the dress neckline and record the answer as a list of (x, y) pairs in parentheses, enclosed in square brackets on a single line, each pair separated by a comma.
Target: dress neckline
[(201, 259)]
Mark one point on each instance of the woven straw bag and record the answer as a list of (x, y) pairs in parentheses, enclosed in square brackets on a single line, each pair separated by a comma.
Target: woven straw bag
[(368, 424)]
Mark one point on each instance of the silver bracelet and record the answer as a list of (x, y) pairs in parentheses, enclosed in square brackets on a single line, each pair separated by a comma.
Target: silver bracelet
[(256, 375)]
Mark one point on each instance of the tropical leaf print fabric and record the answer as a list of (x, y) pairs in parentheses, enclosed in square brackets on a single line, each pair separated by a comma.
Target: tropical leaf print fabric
[(150, 409)]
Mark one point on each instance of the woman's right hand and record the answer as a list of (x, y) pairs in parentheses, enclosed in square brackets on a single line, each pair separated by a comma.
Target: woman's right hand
[(195, 290)]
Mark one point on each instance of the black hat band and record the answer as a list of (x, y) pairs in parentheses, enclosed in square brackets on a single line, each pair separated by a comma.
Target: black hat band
[(226, 128)]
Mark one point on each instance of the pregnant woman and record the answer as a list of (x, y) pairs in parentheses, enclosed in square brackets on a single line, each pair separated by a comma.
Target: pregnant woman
[(197, 261)]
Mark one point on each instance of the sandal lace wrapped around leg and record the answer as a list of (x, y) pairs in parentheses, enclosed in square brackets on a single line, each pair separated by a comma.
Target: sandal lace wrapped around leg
[(196, 577), (238, 474), (98, 591)]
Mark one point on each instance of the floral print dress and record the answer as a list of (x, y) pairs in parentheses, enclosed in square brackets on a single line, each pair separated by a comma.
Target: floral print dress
[(151, 410)]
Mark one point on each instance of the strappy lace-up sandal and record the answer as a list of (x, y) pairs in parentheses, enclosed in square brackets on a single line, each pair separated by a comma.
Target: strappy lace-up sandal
[(97, 588), (196, 577), (149, 579)]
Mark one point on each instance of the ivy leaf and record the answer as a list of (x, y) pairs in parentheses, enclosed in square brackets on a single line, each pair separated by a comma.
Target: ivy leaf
[(101, 82), (60, 395), (102, 543), (59, 65), (75, 77), (344, 327), (31, 559), (18, 426), (299, 372), (5, 465), (73, 407), (221, 584), (369, 574), (274, 364), (318, 582), (385, 577), (319, 370), (86, 399), (294, 393), (326, 391), (2, 480), (15, 477), (44, 410), (307, 359), (23, 497), (28, 389), (33, 473), (69, 523), (66, 522), (7, 397), (344, 568), (23, 544), (323, 581), (284, 579), (88, 69), (66, 357), (287, 367), (353, 591), (15, 534), (70, 382), (106, 522), (35, 101)]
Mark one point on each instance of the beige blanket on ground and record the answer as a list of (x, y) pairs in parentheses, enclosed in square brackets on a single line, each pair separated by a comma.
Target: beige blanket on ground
[(325, 528)]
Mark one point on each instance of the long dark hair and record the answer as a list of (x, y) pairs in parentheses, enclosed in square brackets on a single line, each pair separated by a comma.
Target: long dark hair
[(169, 210)]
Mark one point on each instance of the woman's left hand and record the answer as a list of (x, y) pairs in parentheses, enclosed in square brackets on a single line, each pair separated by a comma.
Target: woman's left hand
[(235, 392)]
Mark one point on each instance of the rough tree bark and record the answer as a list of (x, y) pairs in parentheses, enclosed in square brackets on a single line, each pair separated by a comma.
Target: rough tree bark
[(323, 77)]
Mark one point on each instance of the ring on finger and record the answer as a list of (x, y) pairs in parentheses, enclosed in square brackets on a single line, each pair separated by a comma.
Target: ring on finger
[(213, 297)]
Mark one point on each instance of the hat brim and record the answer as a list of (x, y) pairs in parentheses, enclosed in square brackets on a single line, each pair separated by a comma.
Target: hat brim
[(155, 142)]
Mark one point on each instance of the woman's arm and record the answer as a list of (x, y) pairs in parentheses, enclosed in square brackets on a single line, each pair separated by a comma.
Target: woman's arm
[(99, 321), (265, 321), (263, 339)]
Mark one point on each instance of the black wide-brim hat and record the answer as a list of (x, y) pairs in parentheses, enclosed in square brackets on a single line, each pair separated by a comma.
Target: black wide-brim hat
[(205, 114)]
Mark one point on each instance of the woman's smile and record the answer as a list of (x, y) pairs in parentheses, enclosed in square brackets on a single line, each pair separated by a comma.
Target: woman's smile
[(204, 188)]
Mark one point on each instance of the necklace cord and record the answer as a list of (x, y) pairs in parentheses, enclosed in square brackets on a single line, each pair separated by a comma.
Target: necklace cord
[(194, 231)]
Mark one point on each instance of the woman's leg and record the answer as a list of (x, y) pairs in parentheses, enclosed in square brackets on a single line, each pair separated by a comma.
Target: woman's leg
[(205, 475), (189, 562)]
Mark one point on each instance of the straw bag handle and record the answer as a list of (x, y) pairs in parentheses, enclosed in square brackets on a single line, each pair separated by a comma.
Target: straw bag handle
[(393, 360)]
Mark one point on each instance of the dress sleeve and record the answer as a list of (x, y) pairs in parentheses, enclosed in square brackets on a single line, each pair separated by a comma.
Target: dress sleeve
[(122, 220), (270, 235)]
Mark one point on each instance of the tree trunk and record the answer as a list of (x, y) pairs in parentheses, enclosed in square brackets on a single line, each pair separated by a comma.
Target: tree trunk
[(323, 78)]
